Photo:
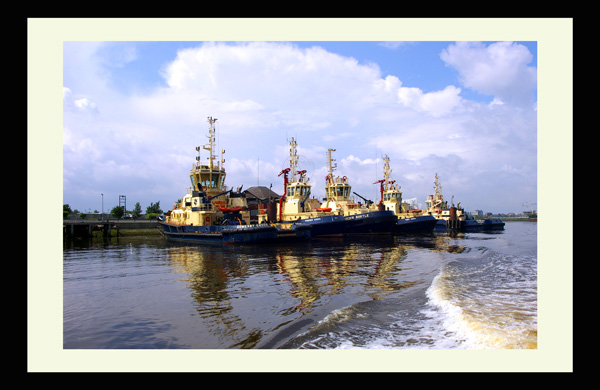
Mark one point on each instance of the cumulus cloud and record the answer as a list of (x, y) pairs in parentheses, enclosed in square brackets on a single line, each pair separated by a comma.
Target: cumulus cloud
[(84, 105), (265, 93), (435, 103), (500, 69)]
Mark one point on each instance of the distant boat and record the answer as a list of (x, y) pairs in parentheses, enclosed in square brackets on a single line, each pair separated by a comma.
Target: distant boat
[(211, 214)]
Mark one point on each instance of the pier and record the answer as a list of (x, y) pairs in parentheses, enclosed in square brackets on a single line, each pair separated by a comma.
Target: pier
[(85, 228)]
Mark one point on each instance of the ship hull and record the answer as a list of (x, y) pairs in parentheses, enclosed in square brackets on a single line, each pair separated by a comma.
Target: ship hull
[(372, 222), (418, 224), (329, 225), (296, 233), (486, 224), (470, 225), (218, 235)]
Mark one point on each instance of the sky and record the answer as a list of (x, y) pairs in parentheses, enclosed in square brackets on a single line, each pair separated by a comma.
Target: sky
[(134, 112)]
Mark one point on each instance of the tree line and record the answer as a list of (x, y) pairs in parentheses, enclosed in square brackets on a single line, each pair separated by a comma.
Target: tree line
[(152, 211)]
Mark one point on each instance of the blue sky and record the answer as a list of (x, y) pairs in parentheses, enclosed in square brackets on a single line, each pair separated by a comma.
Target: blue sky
[(133, 113)]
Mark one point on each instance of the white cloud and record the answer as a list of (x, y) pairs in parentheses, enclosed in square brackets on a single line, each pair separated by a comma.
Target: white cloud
[(265, 93), (85, 105), (500, 69), (436, 103)]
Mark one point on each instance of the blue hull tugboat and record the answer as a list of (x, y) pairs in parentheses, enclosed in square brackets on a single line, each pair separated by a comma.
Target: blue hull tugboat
[(454, 218), (360, 218), (409, 220), (295, 206), (211, 214)]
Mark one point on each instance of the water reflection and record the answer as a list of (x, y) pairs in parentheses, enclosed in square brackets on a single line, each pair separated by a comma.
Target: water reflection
[(244, 295)]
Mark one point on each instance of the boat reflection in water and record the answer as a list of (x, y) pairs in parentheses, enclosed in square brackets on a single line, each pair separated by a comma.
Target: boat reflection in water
[(227, 284)]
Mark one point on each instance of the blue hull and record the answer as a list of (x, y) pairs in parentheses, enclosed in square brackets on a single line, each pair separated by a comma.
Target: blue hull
[(232, 234), (419, 224), (329, 225), (470, 225), (486, 224), (296, 233), (373, 222)]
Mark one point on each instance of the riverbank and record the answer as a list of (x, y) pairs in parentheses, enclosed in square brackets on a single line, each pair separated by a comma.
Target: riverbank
[(82, 229), (130, 233), (517, 219)]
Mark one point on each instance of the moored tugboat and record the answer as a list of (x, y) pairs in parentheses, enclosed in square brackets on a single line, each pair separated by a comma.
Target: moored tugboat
[(454, 218), (409, 220), (361, 219), (211, 214), (295, 205)]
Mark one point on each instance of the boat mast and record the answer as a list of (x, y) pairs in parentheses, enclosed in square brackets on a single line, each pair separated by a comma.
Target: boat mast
[(387, 173), (330, 166), (293, 159), (210, 146), (210, 176), (438, 187)]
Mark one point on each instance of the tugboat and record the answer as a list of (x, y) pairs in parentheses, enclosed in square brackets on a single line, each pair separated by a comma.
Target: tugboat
[(454, 218), (211, 214), (409, 220), (361, 219), (295, 205)]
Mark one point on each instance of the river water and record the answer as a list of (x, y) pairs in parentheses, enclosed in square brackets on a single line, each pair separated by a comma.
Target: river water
[(439, 291)]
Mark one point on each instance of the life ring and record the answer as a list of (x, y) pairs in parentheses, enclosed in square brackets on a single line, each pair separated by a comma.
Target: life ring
[(338, 206), (344, 179), (207, 218)]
